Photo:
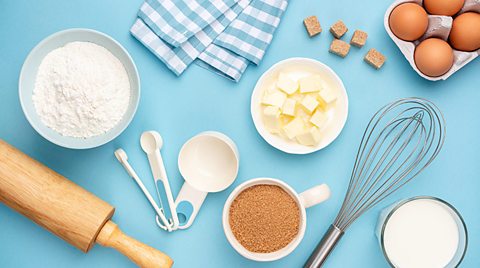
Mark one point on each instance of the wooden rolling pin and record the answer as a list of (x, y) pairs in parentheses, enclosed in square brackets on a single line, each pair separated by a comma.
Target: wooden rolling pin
[(66, 209)]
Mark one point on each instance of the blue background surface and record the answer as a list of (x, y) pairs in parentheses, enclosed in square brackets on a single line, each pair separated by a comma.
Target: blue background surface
[(180, 107)]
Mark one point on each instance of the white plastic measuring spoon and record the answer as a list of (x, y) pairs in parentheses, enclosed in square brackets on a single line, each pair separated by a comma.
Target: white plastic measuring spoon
[(151, 143), (209, 163), (122, 157)]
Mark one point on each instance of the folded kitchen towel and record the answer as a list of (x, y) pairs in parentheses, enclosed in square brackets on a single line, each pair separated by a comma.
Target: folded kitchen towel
[(224, 36)]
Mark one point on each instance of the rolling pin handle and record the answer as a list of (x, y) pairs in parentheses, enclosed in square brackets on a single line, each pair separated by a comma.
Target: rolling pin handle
[(142, 255)]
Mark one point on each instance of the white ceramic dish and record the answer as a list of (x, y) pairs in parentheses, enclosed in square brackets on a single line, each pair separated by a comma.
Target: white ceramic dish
[(306, 199), (297, 67), (439, 27), (27, 81)]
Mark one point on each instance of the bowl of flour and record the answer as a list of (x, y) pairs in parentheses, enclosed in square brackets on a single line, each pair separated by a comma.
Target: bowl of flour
[(79, 88)]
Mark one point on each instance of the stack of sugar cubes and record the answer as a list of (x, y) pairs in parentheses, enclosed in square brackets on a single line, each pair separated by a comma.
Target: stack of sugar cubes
[(297, 109)]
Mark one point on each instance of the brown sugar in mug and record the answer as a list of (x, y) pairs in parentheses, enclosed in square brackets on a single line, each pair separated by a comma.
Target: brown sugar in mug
[(252, 197)]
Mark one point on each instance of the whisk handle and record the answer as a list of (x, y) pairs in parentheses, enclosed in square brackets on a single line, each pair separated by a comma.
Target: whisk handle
[(324, 248)]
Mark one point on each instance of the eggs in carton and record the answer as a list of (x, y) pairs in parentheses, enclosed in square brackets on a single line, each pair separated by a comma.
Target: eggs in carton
[(439, 28)]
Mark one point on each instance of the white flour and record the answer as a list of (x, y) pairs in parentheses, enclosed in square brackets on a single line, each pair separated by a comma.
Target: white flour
[(81, 90)]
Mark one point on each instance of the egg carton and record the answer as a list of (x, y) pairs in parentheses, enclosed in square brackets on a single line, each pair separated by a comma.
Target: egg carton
[(439, 27)]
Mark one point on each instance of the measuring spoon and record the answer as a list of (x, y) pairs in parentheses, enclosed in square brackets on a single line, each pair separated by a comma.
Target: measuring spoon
[(122, 157), (151, 143), (209, 163)]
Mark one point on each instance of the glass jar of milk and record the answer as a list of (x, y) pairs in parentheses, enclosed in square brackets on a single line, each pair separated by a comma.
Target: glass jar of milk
[(422, 232)]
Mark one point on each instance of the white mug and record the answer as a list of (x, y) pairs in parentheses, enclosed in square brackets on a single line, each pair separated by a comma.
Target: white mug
[(306, 199)]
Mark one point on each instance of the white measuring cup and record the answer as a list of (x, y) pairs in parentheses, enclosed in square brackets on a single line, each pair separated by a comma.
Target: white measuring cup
[(209, 163)]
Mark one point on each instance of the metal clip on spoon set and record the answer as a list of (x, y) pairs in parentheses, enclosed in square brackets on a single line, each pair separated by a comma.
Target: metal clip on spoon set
[(208, 162)]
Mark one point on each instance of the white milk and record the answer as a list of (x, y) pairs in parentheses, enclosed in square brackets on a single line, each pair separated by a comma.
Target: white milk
[(422, 233)]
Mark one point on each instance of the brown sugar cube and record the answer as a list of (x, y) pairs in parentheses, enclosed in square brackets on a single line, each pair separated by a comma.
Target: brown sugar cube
[(338, 29), (339, 48), (312, 25), (375, 58), (359, 38)]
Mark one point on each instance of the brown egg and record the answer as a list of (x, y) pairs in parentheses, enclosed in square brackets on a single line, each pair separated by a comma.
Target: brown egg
[(443, 7), (408, 21), (465, 33), (433, 57)]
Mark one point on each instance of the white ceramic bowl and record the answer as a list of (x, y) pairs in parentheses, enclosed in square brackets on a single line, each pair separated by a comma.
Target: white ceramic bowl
[(27, 81), (304, 200), (337, 116)]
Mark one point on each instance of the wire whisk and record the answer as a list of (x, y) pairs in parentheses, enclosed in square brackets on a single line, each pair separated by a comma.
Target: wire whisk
[(400, 141)]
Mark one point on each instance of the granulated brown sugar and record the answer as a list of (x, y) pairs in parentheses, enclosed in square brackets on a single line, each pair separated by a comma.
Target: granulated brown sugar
[(264, 218)]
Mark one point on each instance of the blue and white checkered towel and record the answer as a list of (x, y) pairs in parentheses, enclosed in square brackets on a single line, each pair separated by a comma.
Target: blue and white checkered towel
[(220, 35)]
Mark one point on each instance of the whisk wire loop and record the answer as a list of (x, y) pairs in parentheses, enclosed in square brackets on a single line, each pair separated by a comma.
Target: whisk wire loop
[(390, 155), (369, 183)]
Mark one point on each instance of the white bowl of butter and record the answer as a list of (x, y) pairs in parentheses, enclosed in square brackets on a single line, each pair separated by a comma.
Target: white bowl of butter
[(299, 106)]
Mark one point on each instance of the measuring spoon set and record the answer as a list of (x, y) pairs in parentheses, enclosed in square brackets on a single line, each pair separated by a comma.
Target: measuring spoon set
[(208, 162)]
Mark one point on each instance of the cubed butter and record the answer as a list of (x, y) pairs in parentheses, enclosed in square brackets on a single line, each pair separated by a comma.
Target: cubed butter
[(312, 83), (297, 96), (327, 98), (271, 89), (294, 128), (287, 84), (285, 119), (319, 119), (309, 137), (309, 103), (271, 118), (301, 113), (289, 107), (276, 98)]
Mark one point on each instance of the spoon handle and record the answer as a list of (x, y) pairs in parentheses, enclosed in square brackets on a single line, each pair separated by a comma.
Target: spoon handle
[(140, 184), (188, 203), (160, 177)]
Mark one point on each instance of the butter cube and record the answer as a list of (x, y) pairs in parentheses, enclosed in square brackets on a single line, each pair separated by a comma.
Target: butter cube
[(271, 89), (318, 119), (287, 84), (312, 83), (327, 98), (271, 118), (310, 137), (302, 114), (297, 96), (285, 119), (275, 98), (295, 127), (309, 103), (289, 107)]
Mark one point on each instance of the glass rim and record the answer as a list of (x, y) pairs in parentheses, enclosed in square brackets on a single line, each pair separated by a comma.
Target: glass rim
[(405, 201)]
